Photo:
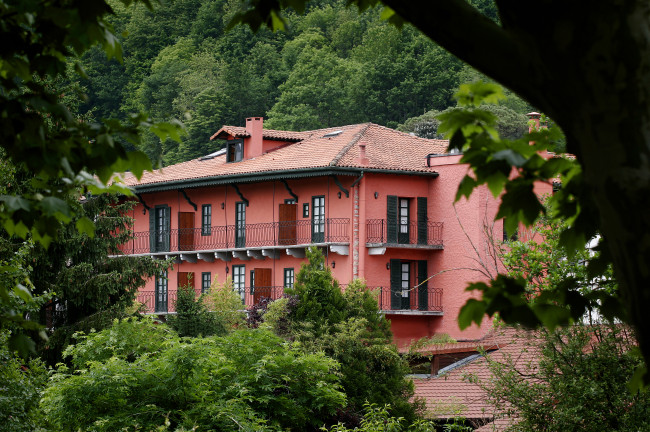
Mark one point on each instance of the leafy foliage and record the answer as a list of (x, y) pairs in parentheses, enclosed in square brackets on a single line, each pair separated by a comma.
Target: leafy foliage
[(61, 153), (334, 66), (579, 383), (20, 385), (320, 302), (192, 317), (348, 328), (509, 124), (226, 303), (379, 419), (88, 283), (249, 379), (126, 339)]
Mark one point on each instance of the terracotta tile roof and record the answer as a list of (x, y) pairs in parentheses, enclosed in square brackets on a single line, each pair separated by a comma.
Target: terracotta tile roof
[(390, 149), (451, 394), (271, 134), (385, 149)]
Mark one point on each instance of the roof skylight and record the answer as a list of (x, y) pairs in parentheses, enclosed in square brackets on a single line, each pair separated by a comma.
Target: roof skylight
[(213, 155), (332, 134)]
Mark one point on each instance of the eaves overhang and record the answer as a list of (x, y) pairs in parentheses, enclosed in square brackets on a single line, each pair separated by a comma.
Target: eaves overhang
[(270, 175)]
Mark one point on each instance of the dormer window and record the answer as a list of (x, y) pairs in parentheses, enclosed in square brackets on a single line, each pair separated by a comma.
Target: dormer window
[(235, 151)]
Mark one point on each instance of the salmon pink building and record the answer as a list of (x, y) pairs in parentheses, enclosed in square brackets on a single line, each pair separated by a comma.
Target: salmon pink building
[(378, 203)]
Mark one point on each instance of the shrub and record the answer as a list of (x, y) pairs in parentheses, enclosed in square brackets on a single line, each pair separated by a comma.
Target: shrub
[(227, 304), (246, 380), (192, 316), (20, 388)]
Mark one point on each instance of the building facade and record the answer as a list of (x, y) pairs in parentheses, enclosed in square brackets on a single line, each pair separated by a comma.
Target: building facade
[(379, 204)]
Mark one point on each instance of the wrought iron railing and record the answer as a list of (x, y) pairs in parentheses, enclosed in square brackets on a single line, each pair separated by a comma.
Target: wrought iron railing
[(332, 230), (381, 232), (416, 299), (422, 298), (154, 302)]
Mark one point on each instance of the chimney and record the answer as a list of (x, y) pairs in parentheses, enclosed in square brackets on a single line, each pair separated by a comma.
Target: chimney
[(363, 159), (533, 121), (253, 144), (534, 124)]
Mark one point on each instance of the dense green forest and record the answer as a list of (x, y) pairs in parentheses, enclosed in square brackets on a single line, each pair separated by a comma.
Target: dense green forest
[(333, 66)]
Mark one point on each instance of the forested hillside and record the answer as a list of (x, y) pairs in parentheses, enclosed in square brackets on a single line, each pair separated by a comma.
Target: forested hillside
[(333, 66)]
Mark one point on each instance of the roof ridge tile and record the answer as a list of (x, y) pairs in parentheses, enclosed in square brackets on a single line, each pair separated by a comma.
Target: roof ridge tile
[(355, 139)]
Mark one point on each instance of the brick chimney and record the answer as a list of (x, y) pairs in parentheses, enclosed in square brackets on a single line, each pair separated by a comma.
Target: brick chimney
[(253, 144), (533, 123), (363, 159)]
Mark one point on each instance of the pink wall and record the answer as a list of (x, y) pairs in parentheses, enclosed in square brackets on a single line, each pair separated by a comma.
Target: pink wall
[(264, 200)]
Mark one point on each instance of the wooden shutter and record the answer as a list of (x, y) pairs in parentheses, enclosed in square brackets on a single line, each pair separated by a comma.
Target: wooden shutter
[(263, 283), (391, 219), (287, 228), (423, 287), (185, 231), (152, 230), (185, 279), (168, 228), (422, 220), (395, 284)]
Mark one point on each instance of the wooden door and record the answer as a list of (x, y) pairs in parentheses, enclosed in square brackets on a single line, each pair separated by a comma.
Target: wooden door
[(287, 227), (185, 231), (262, 286)]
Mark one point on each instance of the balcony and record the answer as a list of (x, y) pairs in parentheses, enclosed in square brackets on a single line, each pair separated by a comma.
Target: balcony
[(426, 301), (163, 303), (423, 300), (228, 237), (380, 235)]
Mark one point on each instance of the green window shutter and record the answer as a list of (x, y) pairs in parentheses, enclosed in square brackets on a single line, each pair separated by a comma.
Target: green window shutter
[(422, 220), (395, 284), (423, 289), (152, 230), (167, 233), (391, 219)]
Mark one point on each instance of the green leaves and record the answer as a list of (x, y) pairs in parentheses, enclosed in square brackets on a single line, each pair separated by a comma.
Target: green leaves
[(140, 374)]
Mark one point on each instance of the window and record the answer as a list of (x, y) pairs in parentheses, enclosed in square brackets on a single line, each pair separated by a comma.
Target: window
[(404, 217), (409, 285), (160, 228), (290, 201), (234, 151), (206, 281), (398, 218), (506, 235), (318, 219), (240, 224), (206, 219), (406, 283), (239, 280), (160, 294), (288, 277), (305, 210)]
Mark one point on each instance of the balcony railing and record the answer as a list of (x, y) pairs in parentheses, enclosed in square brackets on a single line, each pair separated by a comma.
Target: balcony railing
[(332, 230), (153, 302), (424, 299), (379, 231)]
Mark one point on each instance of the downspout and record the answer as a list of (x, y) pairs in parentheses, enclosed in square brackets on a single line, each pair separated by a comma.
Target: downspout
[(361, 235)]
